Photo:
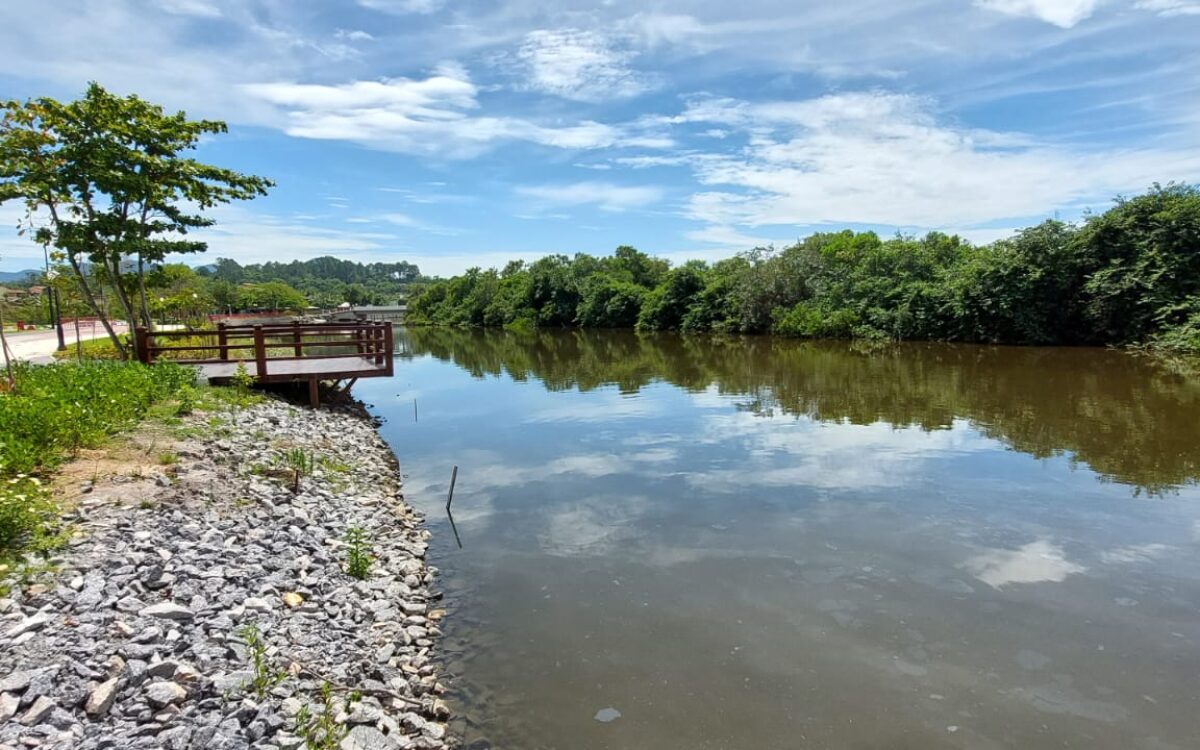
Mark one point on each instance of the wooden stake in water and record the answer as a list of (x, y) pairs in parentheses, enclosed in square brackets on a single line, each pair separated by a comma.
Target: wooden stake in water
[(450, 495), (415, 411)]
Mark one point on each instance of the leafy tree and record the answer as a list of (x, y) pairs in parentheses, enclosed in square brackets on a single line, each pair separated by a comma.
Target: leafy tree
[(271, 295), (108, 175), (1143, 262), (611, 303)]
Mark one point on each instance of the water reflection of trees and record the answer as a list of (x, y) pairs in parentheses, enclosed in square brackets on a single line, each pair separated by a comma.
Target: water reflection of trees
[(1125, 417)]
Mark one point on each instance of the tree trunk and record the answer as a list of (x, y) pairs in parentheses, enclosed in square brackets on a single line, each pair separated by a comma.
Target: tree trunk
[(123, 298), (90, 298), (145, 307)]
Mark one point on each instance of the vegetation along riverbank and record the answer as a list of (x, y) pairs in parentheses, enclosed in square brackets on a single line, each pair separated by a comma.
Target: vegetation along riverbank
[(206, 568), (1128, 276)]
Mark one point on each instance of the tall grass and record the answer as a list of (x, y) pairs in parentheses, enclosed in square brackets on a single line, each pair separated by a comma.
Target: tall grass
[(55, 410)]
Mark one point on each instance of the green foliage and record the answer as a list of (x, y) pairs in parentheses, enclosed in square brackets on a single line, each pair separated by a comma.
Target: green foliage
[(242, 380), (263, 674), (325, 281), (320, 730), (300, 463), (28, 516), (56, 409), (1130, 275), (110, 176), (358, 553)]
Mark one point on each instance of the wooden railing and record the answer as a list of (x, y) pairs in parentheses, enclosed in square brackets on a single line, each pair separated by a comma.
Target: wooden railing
[(282, 342)]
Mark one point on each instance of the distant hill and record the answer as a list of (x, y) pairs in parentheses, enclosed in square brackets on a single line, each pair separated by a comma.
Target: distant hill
[(16, 277)]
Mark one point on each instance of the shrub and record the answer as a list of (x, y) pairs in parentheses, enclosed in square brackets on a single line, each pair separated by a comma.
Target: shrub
[(57, 409)]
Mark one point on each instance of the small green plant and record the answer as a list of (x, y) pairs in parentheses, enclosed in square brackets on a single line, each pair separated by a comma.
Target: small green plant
[(186, 402), (28, 517), (333, 465), (320, 730), (301, 464), (358, 558), (264, 675), (242, 379), (168, 458)]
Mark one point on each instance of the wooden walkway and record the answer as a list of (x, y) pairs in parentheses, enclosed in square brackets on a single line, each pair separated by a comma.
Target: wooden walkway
[(278, 353)]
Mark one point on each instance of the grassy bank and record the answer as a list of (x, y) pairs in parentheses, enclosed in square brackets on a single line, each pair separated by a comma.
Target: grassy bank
[(53, 412)]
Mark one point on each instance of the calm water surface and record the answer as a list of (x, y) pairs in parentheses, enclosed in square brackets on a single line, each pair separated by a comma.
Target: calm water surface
[(755, 543)]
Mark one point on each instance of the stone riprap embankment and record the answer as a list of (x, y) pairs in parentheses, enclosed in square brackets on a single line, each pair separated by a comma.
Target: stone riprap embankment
[(211, 606)]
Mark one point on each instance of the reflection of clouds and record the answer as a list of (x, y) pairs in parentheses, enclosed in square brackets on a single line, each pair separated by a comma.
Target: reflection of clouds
[(829, 455), (586, 465), (1135, 553), (592, 526), (600, 407), (654, 455), (1036, 562), (711, 398)]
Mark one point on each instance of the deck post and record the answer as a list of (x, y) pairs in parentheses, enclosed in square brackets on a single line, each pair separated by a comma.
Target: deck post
[(314, 393), (142, 343), (388, 348), (377, 334), (223, 341), (260, 352), (358, 339), (298, 350)]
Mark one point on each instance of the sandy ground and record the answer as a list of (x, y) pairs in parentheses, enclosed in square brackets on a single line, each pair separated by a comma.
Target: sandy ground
[(39, 346)]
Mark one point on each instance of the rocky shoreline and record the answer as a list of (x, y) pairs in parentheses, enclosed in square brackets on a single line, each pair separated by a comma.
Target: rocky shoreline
[(212, 606)]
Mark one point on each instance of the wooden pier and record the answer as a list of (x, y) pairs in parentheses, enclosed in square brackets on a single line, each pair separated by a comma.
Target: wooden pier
[(278, 353)]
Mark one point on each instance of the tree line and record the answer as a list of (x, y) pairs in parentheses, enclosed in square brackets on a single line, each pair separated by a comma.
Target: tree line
[(1130, 275), (326, 281)]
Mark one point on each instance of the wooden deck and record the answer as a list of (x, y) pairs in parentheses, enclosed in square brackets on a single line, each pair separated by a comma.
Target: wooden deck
[(278, 353), (336, 368)]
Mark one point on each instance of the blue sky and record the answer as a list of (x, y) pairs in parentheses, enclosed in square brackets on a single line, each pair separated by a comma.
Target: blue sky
[(453, 134)]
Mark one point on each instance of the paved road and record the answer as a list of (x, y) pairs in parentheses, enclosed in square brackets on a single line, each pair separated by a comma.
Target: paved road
[(39, 346)]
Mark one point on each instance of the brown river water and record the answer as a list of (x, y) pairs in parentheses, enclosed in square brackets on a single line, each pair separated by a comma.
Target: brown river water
[(694, 542)]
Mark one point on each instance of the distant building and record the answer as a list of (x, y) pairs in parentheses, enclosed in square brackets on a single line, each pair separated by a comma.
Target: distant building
[(20, 295)]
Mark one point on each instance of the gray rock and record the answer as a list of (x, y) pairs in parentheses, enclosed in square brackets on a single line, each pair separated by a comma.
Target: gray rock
[(38, 712), (101, 698), (9, 704), (366, 738), (168, 611), (161, 694), (17, 681), (28, 625)]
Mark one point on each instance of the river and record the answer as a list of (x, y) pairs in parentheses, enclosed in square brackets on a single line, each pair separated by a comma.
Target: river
[(744, 543)]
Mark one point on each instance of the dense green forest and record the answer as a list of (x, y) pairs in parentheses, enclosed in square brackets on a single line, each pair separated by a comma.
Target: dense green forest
[(1130, 275), (326, 281)]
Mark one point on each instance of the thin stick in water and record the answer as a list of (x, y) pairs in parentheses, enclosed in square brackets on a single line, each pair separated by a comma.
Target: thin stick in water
[(450, 495)]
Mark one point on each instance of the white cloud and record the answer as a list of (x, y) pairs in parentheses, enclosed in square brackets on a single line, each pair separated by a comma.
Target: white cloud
[(575, 64), (1064, 13), (403, 6), (353, 35), (882, 158), (197, 8), (431, 116), (253, 237), (1170, 7), (605, 195), (728, 237)]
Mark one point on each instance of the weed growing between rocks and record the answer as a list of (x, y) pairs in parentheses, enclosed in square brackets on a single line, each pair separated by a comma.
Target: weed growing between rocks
[(358, 556), (301, 464), (263, 674), (320, 730)]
